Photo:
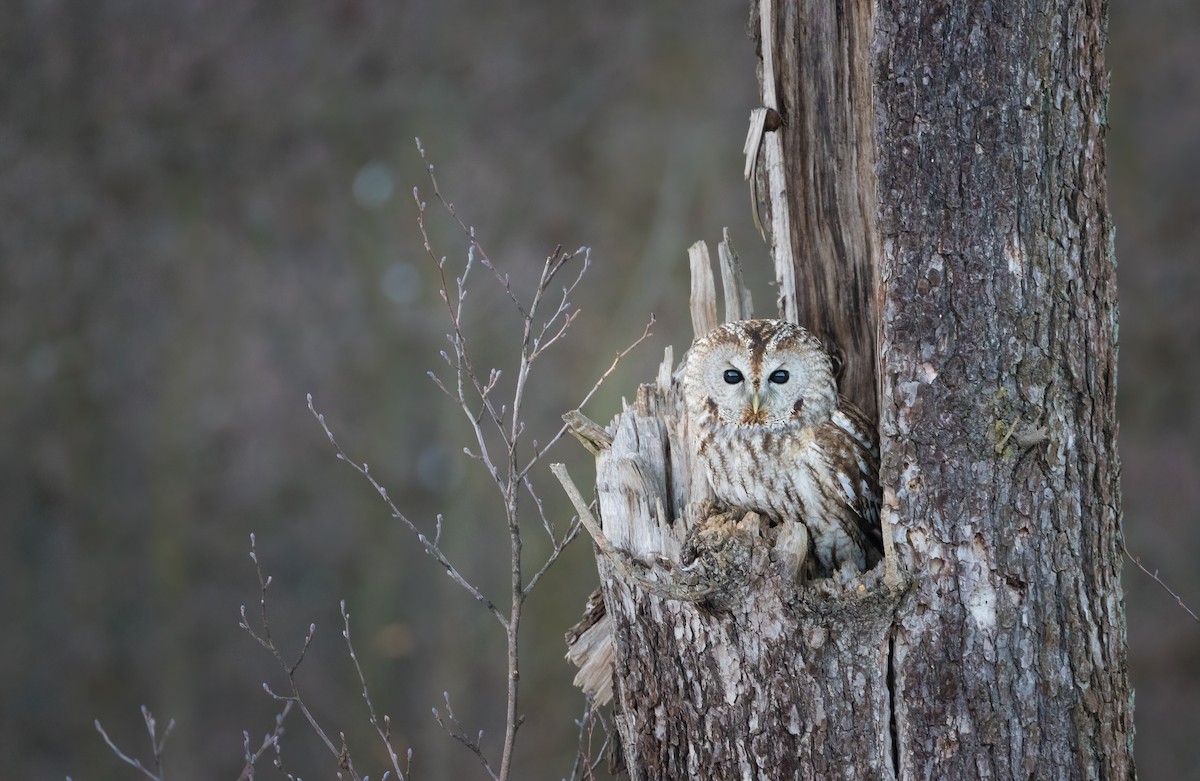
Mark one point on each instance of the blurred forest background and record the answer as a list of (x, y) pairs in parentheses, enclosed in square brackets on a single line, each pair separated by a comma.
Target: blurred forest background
[(206, 213)]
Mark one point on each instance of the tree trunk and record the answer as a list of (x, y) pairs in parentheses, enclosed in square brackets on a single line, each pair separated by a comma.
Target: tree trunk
[(998, 378), (933, 175)]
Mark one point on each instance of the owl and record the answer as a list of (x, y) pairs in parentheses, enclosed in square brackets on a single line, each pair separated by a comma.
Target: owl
[(773, 436)]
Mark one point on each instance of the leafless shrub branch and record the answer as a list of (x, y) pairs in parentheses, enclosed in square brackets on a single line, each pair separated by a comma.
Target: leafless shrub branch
[(498, 430), (1154, 576), (270, 743), (156, 743), (455, 729), (587, 758), (383, 727), (431, 546), (264, 638)]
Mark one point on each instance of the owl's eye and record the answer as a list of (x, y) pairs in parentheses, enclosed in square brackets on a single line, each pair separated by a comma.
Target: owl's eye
[(733, 376), (779, 376)]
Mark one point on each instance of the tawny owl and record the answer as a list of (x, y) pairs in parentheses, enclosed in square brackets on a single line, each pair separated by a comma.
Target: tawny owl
[(775, 437)]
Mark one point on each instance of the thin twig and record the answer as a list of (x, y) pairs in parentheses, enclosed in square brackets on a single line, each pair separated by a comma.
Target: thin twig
[(431, 547), (588, 396), (559, 547), (462, 364), (1154, 576), (270, 741), (587, 761), (156, 743), (527, 484), (384, 728), (469, 231), (456, 731), (263, 637)]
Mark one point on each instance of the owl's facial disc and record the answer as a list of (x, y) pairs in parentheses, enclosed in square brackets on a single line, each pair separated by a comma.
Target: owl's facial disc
[(762, 373)]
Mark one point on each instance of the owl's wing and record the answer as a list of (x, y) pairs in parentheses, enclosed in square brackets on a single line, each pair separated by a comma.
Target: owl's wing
[(855, 454)]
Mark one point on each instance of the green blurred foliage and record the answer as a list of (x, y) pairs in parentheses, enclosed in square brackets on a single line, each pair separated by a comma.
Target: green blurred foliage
[(206, 213)]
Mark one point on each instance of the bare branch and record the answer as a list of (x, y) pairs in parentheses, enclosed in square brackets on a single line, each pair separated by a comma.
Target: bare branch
[(559, 547), (156, 743), (270, 741), (464, 369), (431, 546), (456, 731), (562, 313), (543, 323), (469, 231), (384, 727), (585, 513), (588, 396), (587, 761), (264, 639), (537, 502), (1154, 576)]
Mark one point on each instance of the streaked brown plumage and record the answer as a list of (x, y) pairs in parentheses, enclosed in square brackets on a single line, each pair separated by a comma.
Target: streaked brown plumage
[(775, 437)]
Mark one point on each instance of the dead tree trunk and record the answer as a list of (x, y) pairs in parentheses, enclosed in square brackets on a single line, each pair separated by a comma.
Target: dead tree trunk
[(933, 183)]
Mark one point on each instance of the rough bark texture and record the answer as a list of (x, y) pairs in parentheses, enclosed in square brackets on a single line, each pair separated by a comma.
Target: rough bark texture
[(939, 176), (999, 316)]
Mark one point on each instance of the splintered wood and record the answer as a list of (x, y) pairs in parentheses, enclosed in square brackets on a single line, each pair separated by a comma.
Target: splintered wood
[(700, 633)]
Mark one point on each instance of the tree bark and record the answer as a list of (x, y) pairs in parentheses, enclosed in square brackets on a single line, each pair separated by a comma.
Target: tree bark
[(998, 377), (934, 179)]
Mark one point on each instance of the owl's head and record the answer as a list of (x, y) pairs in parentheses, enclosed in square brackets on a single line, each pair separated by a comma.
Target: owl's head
[(760, 373)]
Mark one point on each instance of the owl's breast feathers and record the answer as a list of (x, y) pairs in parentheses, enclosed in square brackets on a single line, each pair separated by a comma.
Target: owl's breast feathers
[(825, 476)]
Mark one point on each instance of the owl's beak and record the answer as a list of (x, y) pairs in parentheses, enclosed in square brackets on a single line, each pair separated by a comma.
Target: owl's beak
[(754, 403)]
